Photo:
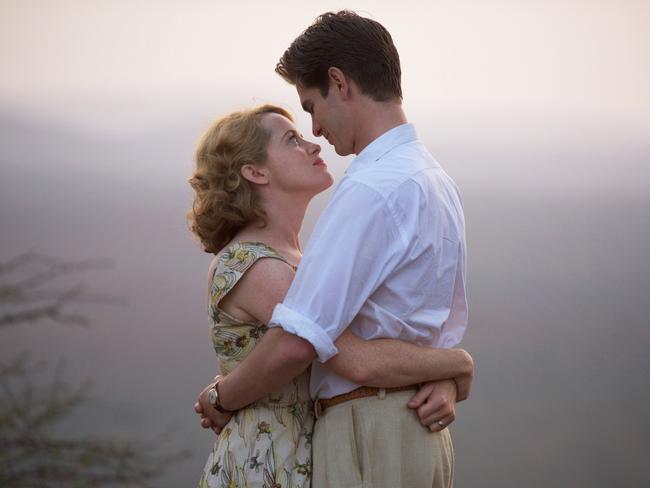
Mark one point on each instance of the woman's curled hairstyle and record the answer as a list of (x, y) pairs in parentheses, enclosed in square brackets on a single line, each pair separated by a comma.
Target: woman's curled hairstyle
[(224, 201)]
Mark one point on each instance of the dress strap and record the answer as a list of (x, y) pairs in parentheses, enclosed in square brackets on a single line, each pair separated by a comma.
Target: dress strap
[(233, 262)]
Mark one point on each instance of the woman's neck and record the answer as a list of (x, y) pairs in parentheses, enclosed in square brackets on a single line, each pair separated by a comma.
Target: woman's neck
[(281, 232)]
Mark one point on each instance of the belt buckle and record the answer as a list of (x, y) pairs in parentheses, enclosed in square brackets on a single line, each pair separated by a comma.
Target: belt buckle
[(318, 409)]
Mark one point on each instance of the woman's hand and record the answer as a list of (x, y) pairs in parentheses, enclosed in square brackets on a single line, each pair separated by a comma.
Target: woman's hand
[(211, 418)]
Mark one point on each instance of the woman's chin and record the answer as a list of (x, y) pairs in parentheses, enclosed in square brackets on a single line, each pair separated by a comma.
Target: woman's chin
[(328, 183), (324, 185)]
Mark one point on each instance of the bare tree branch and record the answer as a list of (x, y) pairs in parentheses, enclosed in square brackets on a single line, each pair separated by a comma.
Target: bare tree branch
[(31, 456), (21, 290)]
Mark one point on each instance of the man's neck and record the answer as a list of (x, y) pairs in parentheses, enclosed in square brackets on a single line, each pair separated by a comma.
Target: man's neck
[(375, 119)]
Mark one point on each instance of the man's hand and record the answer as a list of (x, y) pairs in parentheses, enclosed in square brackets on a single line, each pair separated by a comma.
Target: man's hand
[(435, 403), (211, 418)]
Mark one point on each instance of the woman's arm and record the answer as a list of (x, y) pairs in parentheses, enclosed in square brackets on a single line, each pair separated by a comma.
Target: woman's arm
[(279, 356), (388, 363)]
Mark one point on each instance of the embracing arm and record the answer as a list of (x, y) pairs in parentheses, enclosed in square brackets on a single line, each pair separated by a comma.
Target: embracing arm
[(389, 362), (276, 360), (279, 356)]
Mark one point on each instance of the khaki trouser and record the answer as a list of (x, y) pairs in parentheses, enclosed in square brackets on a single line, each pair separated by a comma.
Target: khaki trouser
[(379, 443)]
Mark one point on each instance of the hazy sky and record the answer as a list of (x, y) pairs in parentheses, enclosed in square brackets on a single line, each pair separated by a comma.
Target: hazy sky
[(477, 75), (549, 57)]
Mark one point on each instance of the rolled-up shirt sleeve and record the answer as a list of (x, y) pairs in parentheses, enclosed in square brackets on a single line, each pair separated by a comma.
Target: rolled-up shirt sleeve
[(357, 243)]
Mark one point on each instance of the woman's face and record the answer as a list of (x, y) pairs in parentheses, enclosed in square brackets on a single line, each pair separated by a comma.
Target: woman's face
[(294, 165)]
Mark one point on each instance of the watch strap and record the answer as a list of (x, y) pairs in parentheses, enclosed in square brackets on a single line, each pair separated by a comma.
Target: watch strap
[(217, 404)]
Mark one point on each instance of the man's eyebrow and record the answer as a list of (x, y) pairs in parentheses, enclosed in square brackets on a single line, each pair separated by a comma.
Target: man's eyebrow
[(307, 106)]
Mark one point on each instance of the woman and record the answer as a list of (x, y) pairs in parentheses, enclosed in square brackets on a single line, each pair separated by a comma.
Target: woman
[(255, 176)]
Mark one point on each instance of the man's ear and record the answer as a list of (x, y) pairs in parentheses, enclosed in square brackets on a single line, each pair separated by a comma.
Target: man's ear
[(255, 174), (339, 81)]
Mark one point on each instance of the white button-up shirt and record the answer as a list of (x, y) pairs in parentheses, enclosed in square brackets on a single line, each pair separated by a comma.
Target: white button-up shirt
[(387, 258)]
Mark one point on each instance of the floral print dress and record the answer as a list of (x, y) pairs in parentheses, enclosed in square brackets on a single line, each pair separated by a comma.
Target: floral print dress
[(268, 443)]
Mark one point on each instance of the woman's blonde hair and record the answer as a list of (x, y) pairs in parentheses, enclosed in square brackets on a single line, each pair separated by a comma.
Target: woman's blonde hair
[(224, 201)]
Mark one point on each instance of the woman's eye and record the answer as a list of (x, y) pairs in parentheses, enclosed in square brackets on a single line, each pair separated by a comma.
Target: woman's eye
[(294, 140)]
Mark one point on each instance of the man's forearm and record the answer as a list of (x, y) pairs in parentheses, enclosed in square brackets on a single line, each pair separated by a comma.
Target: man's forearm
[(388, 362), (419, 365), (463, 386), (277, 359)]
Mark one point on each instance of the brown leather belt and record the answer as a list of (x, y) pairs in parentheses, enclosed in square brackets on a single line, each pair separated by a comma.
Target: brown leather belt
[(365, 391)]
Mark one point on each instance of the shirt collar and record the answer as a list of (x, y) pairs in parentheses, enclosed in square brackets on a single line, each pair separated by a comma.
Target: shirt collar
[(402, 134)]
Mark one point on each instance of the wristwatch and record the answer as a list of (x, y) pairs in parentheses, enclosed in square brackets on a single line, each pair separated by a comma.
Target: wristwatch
[(213, 397)]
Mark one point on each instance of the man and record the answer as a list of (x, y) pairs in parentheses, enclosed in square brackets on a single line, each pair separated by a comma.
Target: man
[(387, 259)]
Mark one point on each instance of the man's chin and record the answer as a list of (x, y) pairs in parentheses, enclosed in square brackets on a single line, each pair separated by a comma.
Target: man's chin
[(341, 151)]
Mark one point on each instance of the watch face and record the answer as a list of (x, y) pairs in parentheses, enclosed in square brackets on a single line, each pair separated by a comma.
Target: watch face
[(212, 396)]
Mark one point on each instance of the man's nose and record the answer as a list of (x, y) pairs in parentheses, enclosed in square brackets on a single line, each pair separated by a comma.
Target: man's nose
[(315, 128)]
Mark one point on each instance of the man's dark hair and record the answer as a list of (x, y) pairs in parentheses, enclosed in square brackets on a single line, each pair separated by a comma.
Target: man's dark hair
[(362, 48)]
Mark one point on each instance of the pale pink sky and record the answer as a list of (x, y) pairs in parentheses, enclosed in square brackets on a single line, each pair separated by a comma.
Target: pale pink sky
[(522, 75)]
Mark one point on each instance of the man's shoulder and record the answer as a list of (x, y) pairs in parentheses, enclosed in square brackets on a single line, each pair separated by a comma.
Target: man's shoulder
[(399, 172)]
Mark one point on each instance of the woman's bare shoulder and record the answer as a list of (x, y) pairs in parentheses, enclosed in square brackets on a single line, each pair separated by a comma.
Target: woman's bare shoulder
[(261, 288)]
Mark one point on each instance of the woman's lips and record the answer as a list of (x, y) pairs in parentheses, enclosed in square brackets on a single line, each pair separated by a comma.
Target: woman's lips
[(319, 162)]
